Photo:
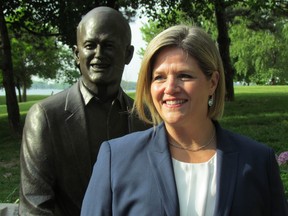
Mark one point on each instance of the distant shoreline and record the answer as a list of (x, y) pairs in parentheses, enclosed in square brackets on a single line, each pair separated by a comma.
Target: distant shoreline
[(37, 91), (45, 91)]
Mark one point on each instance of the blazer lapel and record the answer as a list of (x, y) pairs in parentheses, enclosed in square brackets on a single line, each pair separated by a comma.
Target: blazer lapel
[(160, 160), (227, 165), (76, 124)]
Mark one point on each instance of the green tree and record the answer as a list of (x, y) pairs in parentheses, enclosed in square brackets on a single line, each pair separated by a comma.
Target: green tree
[(37, 56), (68, 73), (7, 72), (260, 56), (152, 28), (60, 17)]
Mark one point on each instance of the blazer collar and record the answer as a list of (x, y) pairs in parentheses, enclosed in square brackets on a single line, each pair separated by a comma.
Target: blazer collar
[(160, 160), (76, 124)]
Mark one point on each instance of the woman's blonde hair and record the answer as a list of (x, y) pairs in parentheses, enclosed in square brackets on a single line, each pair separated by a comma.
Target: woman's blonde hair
[(199, 45)]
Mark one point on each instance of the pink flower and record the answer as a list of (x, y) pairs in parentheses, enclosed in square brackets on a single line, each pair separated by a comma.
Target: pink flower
[(283, 158)]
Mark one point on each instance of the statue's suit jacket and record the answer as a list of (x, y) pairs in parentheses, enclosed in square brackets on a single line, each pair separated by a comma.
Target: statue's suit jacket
[(55, 159), (134, 175)]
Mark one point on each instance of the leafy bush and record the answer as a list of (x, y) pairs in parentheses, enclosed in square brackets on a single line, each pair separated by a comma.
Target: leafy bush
[(283, 165)]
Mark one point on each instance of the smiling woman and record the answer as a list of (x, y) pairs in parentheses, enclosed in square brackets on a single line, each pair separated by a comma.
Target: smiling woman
[(187, 164)]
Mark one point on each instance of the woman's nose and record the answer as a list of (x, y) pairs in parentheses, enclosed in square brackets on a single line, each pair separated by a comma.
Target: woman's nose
[(171, 86)]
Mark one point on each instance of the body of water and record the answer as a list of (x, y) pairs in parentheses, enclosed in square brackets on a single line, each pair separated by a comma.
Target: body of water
[(46, 91), (36, 91)]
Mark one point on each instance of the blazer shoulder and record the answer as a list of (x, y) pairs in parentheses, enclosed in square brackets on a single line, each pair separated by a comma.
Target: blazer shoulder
[(134, 139), (243, 142)]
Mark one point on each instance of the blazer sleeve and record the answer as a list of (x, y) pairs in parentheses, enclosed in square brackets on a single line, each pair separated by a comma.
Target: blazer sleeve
[(36, 183), (100, 186), (278, 200)]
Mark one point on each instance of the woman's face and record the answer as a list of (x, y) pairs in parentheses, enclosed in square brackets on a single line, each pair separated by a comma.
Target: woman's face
[(179, 89)]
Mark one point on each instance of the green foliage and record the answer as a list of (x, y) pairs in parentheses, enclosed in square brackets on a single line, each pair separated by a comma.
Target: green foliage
[(154, 27), (284, 177), (42, 57), (68, 72), (33, 56), (149, 31), (168, 13), (259, 56), (58, 17)]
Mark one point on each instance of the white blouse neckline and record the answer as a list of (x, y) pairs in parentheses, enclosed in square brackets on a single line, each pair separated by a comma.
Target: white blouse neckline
[(196, 186)]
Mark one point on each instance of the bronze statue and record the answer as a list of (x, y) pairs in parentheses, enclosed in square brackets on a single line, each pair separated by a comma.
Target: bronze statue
[(62, 133)]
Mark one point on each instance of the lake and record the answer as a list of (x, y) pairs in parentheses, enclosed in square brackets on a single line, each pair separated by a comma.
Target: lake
[(37, 91), (46, 91)]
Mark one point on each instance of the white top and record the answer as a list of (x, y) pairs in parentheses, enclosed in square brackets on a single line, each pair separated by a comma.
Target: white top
[(196, 186)]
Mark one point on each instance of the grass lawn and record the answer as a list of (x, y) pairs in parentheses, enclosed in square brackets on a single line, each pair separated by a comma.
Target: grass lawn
[(9, 152), (261, 113), (258, 111)]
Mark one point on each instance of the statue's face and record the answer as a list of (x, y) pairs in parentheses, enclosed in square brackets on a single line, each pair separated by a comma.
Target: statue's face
[(102, 50)]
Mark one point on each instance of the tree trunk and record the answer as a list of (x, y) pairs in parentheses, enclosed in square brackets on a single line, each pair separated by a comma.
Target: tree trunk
[(24, 93), (19, 93), (8, 78), (19, 90), (224, 47)]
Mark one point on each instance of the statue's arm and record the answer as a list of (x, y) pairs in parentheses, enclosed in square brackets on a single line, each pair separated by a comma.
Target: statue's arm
[(36, 163)]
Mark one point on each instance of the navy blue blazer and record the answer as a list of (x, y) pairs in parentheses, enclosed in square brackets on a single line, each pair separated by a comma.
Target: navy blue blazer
[(134, 176)]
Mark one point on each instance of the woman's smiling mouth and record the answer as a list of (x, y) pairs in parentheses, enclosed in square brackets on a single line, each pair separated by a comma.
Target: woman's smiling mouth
[(174, 102)]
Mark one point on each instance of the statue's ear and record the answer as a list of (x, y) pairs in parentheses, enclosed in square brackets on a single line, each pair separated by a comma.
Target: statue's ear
[(129, 54), (76, 55)]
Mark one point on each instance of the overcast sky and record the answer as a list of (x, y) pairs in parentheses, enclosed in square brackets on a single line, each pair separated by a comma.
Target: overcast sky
[(131, 70)]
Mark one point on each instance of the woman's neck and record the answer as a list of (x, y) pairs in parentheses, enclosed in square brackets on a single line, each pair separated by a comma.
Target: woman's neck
[(194, 144)]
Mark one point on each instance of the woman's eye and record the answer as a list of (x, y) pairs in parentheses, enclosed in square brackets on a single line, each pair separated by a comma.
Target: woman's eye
[(185, 76), (158, 78)]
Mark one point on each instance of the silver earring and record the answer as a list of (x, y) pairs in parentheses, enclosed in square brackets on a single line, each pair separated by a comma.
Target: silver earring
[(210, 101)]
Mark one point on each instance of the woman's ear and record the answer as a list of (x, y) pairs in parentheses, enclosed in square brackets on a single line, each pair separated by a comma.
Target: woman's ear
[(76, 55), (214, 82), (129, 54)]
